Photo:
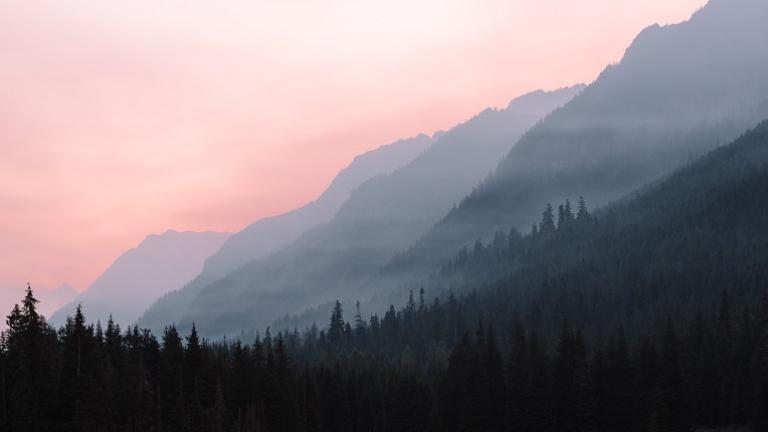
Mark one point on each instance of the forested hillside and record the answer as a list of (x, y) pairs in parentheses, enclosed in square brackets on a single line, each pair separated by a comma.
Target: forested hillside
[(651, 314), (678, 92)]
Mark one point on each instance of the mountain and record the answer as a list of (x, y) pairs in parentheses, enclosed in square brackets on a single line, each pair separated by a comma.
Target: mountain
[(683, 240), (143, 273), (679, 91), (270, 234), (53, 299), (381, 217)]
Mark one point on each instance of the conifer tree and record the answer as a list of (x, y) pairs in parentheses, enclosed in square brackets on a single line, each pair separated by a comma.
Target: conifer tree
[(547, 225), (582, 212), (336, 329), (562, 218)]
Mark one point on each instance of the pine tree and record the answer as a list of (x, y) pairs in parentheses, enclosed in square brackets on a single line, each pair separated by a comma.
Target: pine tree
[(422, 305), (410, 307), (547, 225), (359, 323), (582, 212), (78, 365), (171, 381), (562, 218), (27, 356), (568, 212), (193, 356), (32, 322), (336, 329)]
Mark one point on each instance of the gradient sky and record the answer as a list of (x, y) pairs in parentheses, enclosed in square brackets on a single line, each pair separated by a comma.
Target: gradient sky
[(123, 118)]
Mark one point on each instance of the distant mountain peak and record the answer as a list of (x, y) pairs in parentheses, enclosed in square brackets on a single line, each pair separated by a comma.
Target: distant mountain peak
[(160, 263), (267, 235), (540, 101)]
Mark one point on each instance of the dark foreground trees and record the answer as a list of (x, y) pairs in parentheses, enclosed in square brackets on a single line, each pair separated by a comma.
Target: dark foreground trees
[(392, 374)]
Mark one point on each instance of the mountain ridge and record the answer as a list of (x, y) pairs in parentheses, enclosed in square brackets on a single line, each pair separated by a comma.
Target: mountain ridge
[(267, 235), (142, 273), (380, 216), (668, 100)]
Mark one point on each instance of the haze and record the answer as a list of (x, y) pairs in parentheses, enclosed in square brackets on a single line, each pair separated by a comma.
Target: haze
[(122, 119)]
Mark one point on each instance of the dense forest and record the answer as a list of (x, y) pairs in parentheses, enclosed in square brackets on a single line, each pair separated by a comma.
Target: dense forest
[(648, 315), (420, 368)]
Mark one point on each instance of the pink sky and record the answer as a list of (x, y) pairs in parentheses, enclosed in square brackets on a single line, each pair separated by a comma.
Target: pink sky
[(119, 119)]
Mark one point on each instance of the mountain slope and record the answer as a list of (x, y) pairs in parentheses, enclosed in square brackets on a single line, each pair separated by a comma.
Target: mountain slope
[(53, 299), (708, 217), (268, 235), (140, 275), (670, 249), (382, 216), (679, 91)]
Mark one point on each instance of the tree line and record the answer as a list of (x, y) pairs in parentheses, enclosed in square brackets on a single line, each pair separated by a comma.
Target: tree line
[(426, 366)]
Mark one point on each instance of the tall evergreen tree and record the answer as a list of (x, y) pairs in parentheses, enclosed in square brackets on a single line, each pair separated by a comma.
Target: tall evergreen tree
[(582, 212), (336, 329), (547, 225)]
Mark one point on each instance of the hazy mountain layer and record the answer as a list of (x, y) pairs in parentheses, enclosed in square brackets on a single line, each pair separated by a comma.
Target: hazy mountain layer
[(679, 91), (142, 274), (270, 234), (53, 299), (382, 216)]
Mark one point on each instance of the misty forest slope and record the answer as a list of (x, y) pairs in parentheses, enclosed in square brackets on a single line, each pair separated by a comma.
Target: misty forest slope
[(668, 249), (140, 275), (382, 216), (267, 235), (679, 91)]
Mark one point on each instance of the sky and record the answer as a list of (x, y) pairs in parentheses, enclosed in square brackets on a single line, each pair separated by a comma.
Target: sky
[(120, 119)]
